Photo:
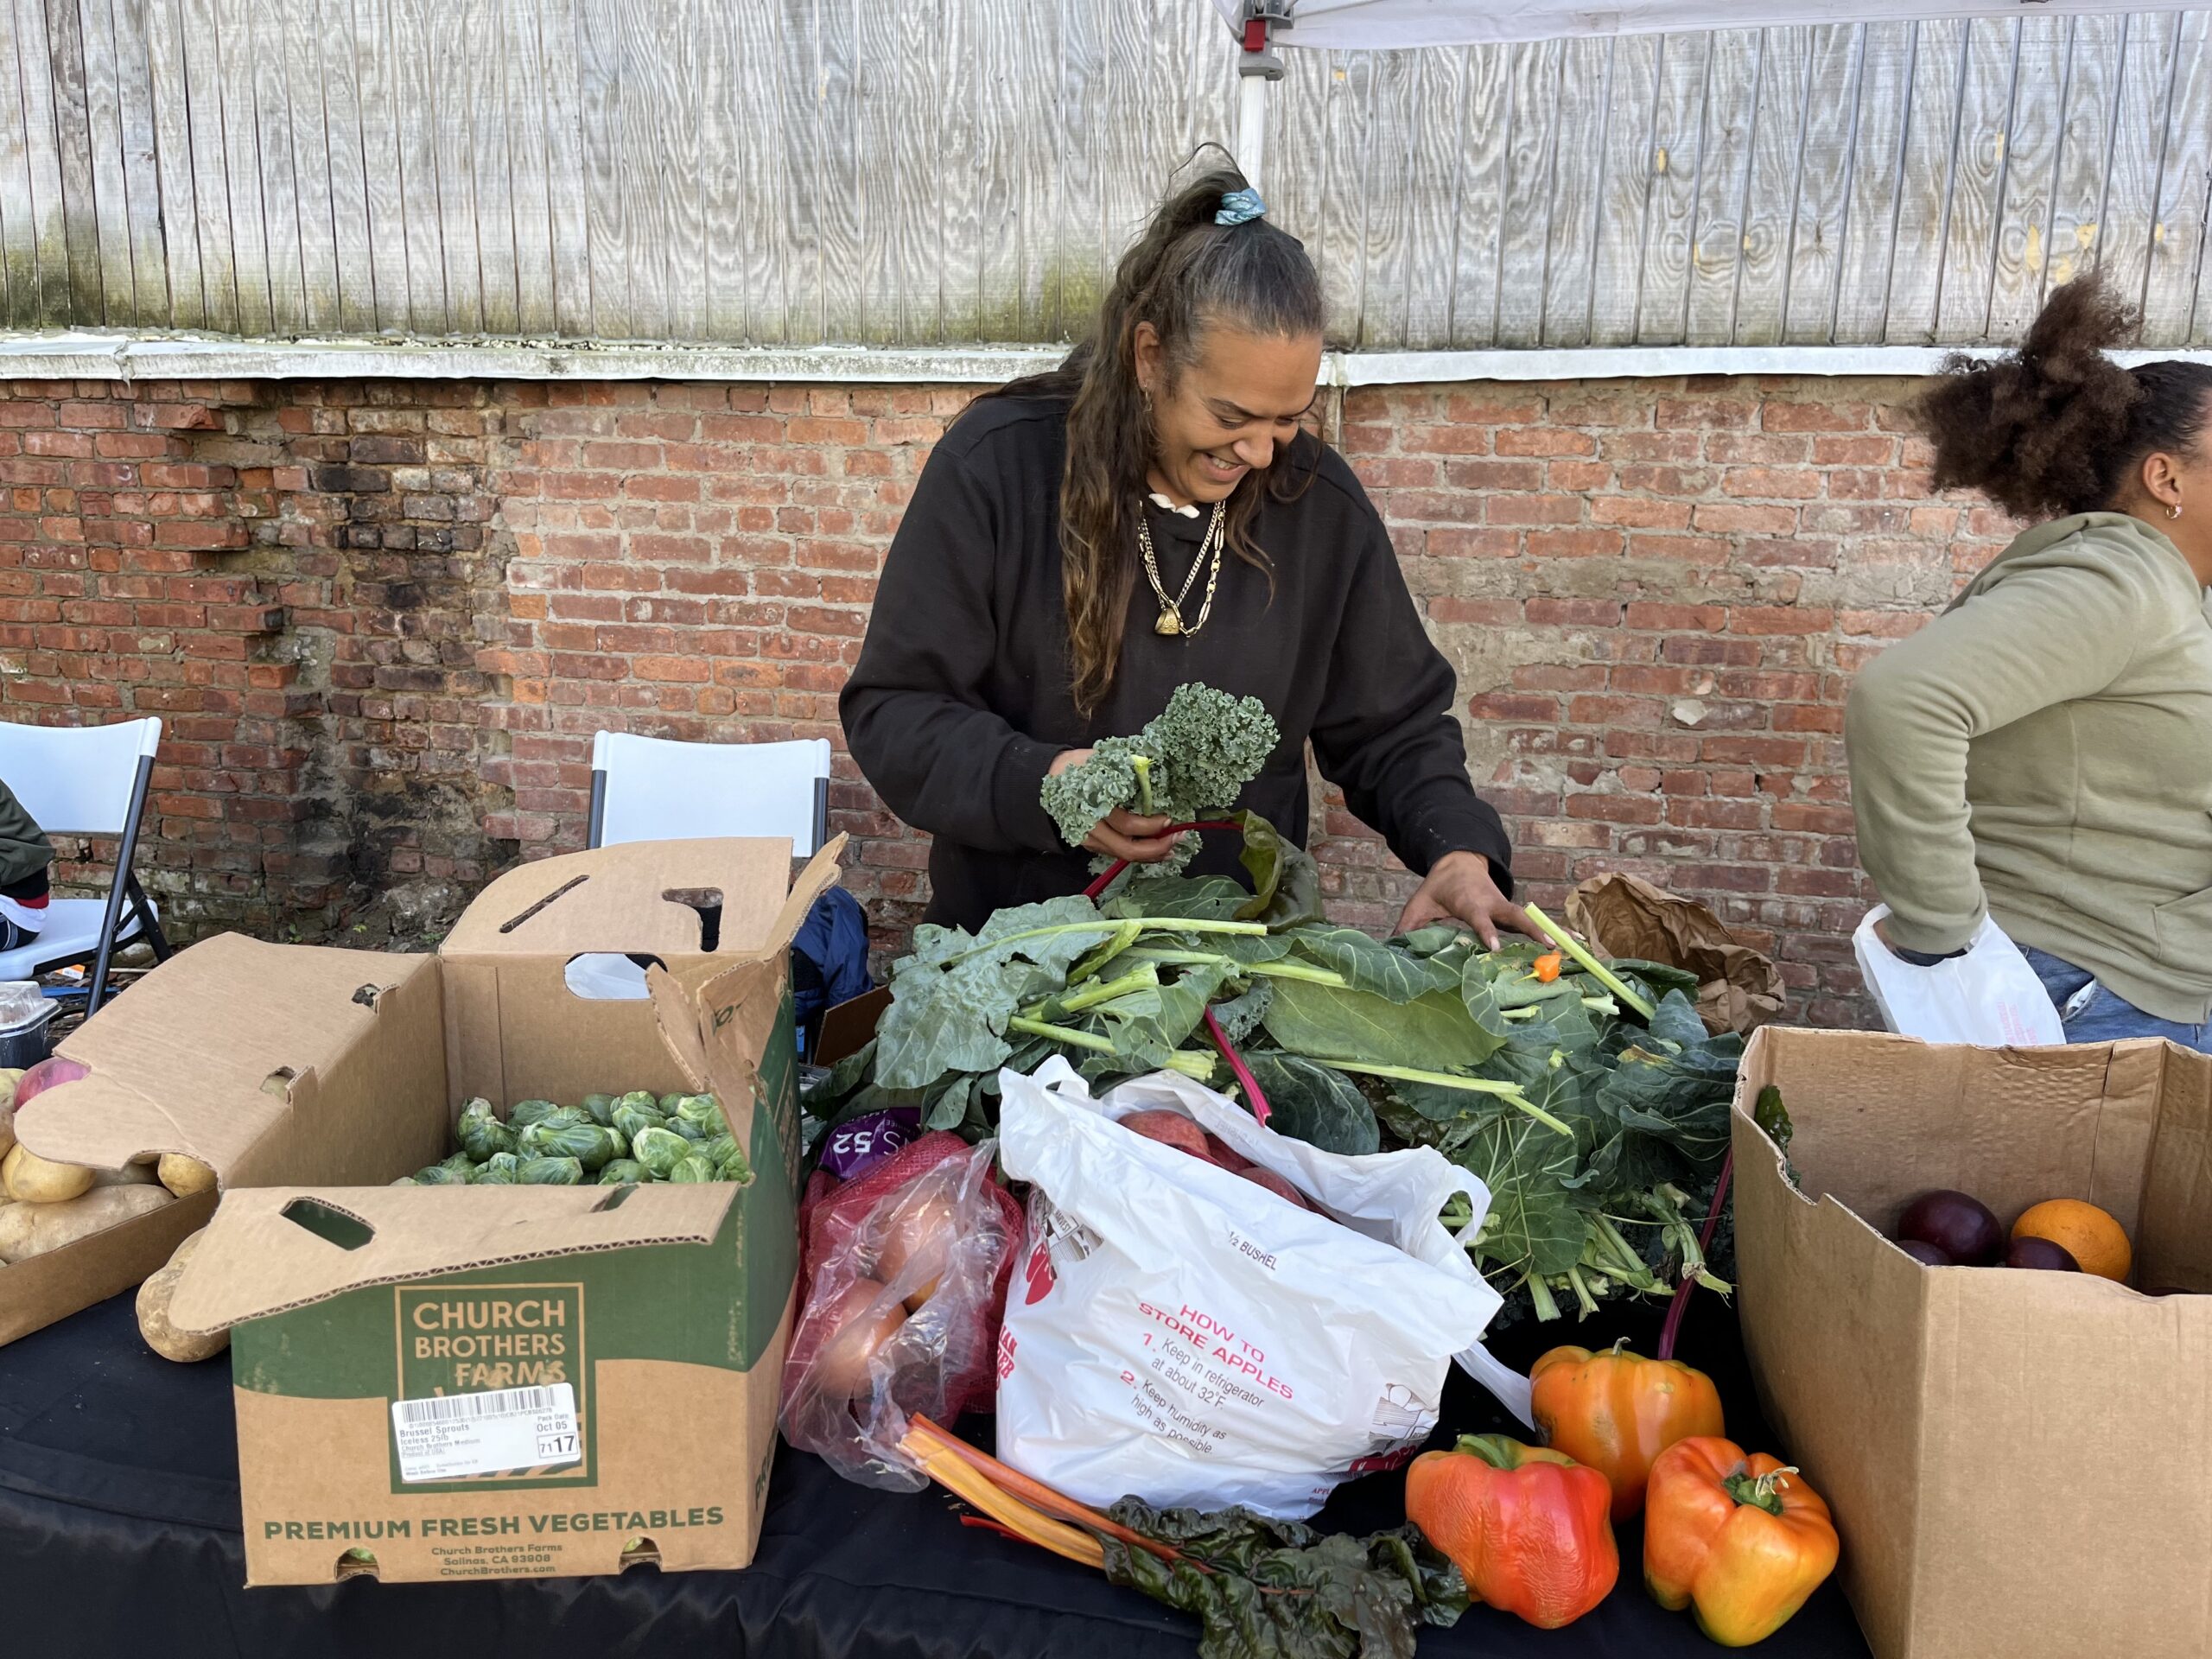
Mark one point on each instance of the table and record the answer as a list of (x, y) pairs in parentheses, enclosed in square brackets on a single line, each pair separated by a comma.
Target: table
[(119, 1534)]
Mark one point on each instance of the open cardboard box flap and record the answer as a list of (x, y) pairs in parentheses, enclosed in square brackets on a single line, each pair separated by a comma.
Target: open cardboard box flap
[(270, 1249), (215, 1055), (644, 898)]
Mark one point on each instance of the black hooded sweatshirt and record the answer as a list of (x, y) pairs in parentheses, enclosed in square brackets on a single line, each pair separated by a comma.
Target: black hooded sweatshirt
[(961, 698)]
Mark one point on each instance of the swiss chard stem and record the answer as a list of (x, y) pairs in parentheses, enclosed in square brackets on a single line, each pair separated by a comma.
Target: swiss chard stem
[(1509, 1092), (1596, 969)]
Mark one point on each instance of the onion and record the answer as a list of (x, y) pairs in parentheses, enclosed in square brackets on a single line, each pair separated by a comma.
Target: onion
[(856, 1331), (49, 1073), (919, 1235)]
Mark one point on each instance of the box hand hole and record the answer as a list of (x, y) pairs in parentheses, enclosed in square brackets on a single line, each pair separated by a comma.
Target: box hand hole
[(334, 1226), (708, 901), (609, 976)]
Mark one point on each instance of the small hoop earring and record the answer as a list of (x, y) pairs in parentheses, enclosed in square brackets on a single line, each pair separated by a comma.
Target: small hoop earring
[(2174, 512)]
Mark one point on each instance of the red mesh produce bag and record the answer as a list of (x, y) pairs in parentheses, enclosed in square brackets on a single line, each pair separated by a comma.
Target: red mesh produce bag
[(903, 1274)]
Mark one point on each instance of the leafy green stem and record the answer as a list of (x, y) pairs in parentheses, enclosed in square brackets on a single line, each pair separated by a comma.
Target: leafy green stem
[(1596, 969), (1143, 978), (1509, 1092), (1191, 1062), (1108, 925)]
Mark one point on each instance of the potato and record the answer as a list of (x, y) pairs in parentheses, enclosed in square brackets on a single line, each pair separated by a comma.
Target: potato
[(26, 1176), (128, 1175), (29, 1230), (184, 1176), (153, 1297)]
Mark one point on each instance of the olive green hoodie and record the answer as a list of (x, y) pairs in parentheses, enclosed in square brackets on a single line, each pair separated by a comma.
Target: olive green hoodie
[(2042, 752)]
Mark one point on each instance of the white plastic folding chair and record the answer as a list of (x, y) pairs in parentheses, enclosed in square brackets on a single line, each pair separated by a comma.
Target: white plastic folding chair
[(89, 781), (656, 789)]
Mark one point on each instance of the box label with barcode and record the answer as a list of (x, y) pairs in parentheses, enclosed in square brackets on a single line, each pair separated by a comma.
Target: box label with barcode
[(459, 1434), (491, 1385)]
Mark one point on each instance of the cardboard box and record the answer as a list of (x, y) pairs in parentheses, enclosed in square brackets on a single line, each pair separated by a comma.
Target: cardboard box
[(2017, 1461), (655, 1315)]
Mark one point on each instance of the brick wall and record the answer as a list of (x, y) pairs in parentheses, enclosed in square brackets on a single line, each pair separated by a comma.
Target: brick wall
[(383, 621)]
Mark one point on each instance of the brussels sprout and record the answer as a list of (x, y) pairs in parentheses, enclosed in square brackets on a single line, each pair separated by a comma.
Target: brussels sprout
[(639, 1100), (668, 1105), (692, 1167), (704, 1110), (589, 1145), (566, 1117), (630, 1119), (695, 1133), (659, 1150), (549, 1172), (734, 1167), (459, 1162), (620, 1142), (407, 1180), (480, 1134), (439, 1175), (498, 1170), (601, 1108), (527, 1112), (623, 1172)]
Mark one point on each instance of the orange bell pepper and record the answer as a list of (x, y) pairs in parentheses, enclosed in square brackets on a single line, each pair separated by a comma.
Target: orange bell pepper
[(1547, 967), (1616, 1411), (1525, 1526), (1743, 1540)]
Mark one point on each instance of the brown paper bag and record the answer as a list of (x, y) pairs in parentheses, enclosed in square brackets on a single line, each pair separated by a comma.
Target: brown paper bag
[(1738, 988)]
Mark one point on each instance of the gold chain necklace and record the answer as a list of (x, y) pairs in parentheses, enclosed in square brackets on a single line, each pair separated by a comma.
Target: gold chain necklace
[(1171, 621)]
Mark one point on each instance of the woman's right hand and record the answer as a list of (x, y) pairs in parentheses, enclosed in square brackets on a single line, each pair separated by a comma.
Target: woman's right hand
[(1122, 833)]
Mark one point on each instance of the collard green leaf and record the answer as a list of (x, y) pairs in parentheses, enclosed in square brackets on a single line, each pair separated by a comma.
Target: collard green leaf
[(1534, 1224), (1658, 975), (1676, 1021), (1372, 966), (1431, 1032), (1205, 898), (825, 1091), (950, 1107), (1311, 1103), (1438, 938), (1281, 1590), (1153, 1023), (1286, 881), (939, 1022)]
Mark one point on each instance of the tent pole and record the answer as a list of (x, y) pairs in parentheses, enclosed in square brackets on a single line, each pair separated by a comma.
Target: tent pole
[(1256, 66), (1251, 127)]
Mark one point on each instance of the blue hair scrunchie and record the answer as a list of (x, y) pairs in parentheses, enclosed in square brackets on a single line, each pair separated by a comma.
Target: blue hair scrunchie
[(1241, 208)]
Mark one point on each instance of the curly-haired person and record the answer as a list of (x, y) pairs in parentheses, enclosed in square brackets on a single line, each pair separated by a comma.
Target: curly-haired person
[(2042, 752)]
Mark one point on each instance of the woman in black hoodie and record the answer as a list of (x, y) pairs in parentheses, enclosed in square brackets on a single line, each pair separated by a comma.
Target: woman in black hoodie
[(1151, 514)]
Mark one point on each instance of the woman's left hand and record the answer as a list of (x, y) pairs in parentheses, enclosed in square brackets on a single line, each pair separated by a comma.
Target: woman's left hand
[(1459, 889)]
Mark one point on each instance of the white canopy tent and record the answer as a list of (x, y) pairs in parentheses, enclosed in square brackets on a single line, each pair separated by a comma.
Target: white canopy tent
[(1387, 25)]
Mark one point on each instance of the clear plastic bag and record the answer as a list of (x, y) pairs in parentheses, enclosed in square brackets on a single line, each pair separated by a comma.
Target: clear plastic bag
[(906, 1274)]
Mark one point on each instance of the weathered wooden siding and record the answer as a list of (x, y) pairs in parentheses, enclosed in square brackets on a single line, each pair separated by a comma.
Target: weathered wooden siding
[(946, 171)]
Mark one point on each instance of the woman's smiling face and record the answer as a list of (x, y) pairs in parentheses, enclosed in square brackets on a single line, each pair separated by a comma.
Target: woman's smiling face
[(1227, 413)]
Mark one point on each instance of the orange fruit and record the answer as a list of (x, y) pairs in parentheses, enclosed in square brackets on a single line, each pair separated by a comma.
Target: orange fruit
[(2098, 1242)]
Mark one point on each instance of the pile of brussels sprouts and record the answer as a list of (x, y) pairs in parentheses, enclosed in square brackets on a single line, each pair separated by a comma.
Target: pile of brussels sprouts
[(612, 1139)]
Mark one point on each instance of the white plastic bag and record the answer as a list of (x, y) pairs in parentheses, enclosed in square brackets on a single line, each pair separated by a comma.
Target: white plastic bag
[(1989, 997), (1178, 1332)]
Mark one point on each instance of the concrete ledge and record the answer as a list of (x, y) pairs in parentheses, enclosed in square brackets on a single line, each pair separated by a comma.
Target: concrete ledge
[(91, 355)]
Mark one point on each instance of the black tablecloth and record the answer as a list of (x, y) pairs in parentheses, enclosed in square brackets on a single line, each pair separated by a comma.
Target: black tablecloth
[(119, 1534)]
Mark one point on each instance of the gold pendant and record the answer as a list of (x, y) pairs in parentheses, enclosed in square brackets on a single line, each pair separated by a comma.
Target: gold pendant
[(1170, 623)]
